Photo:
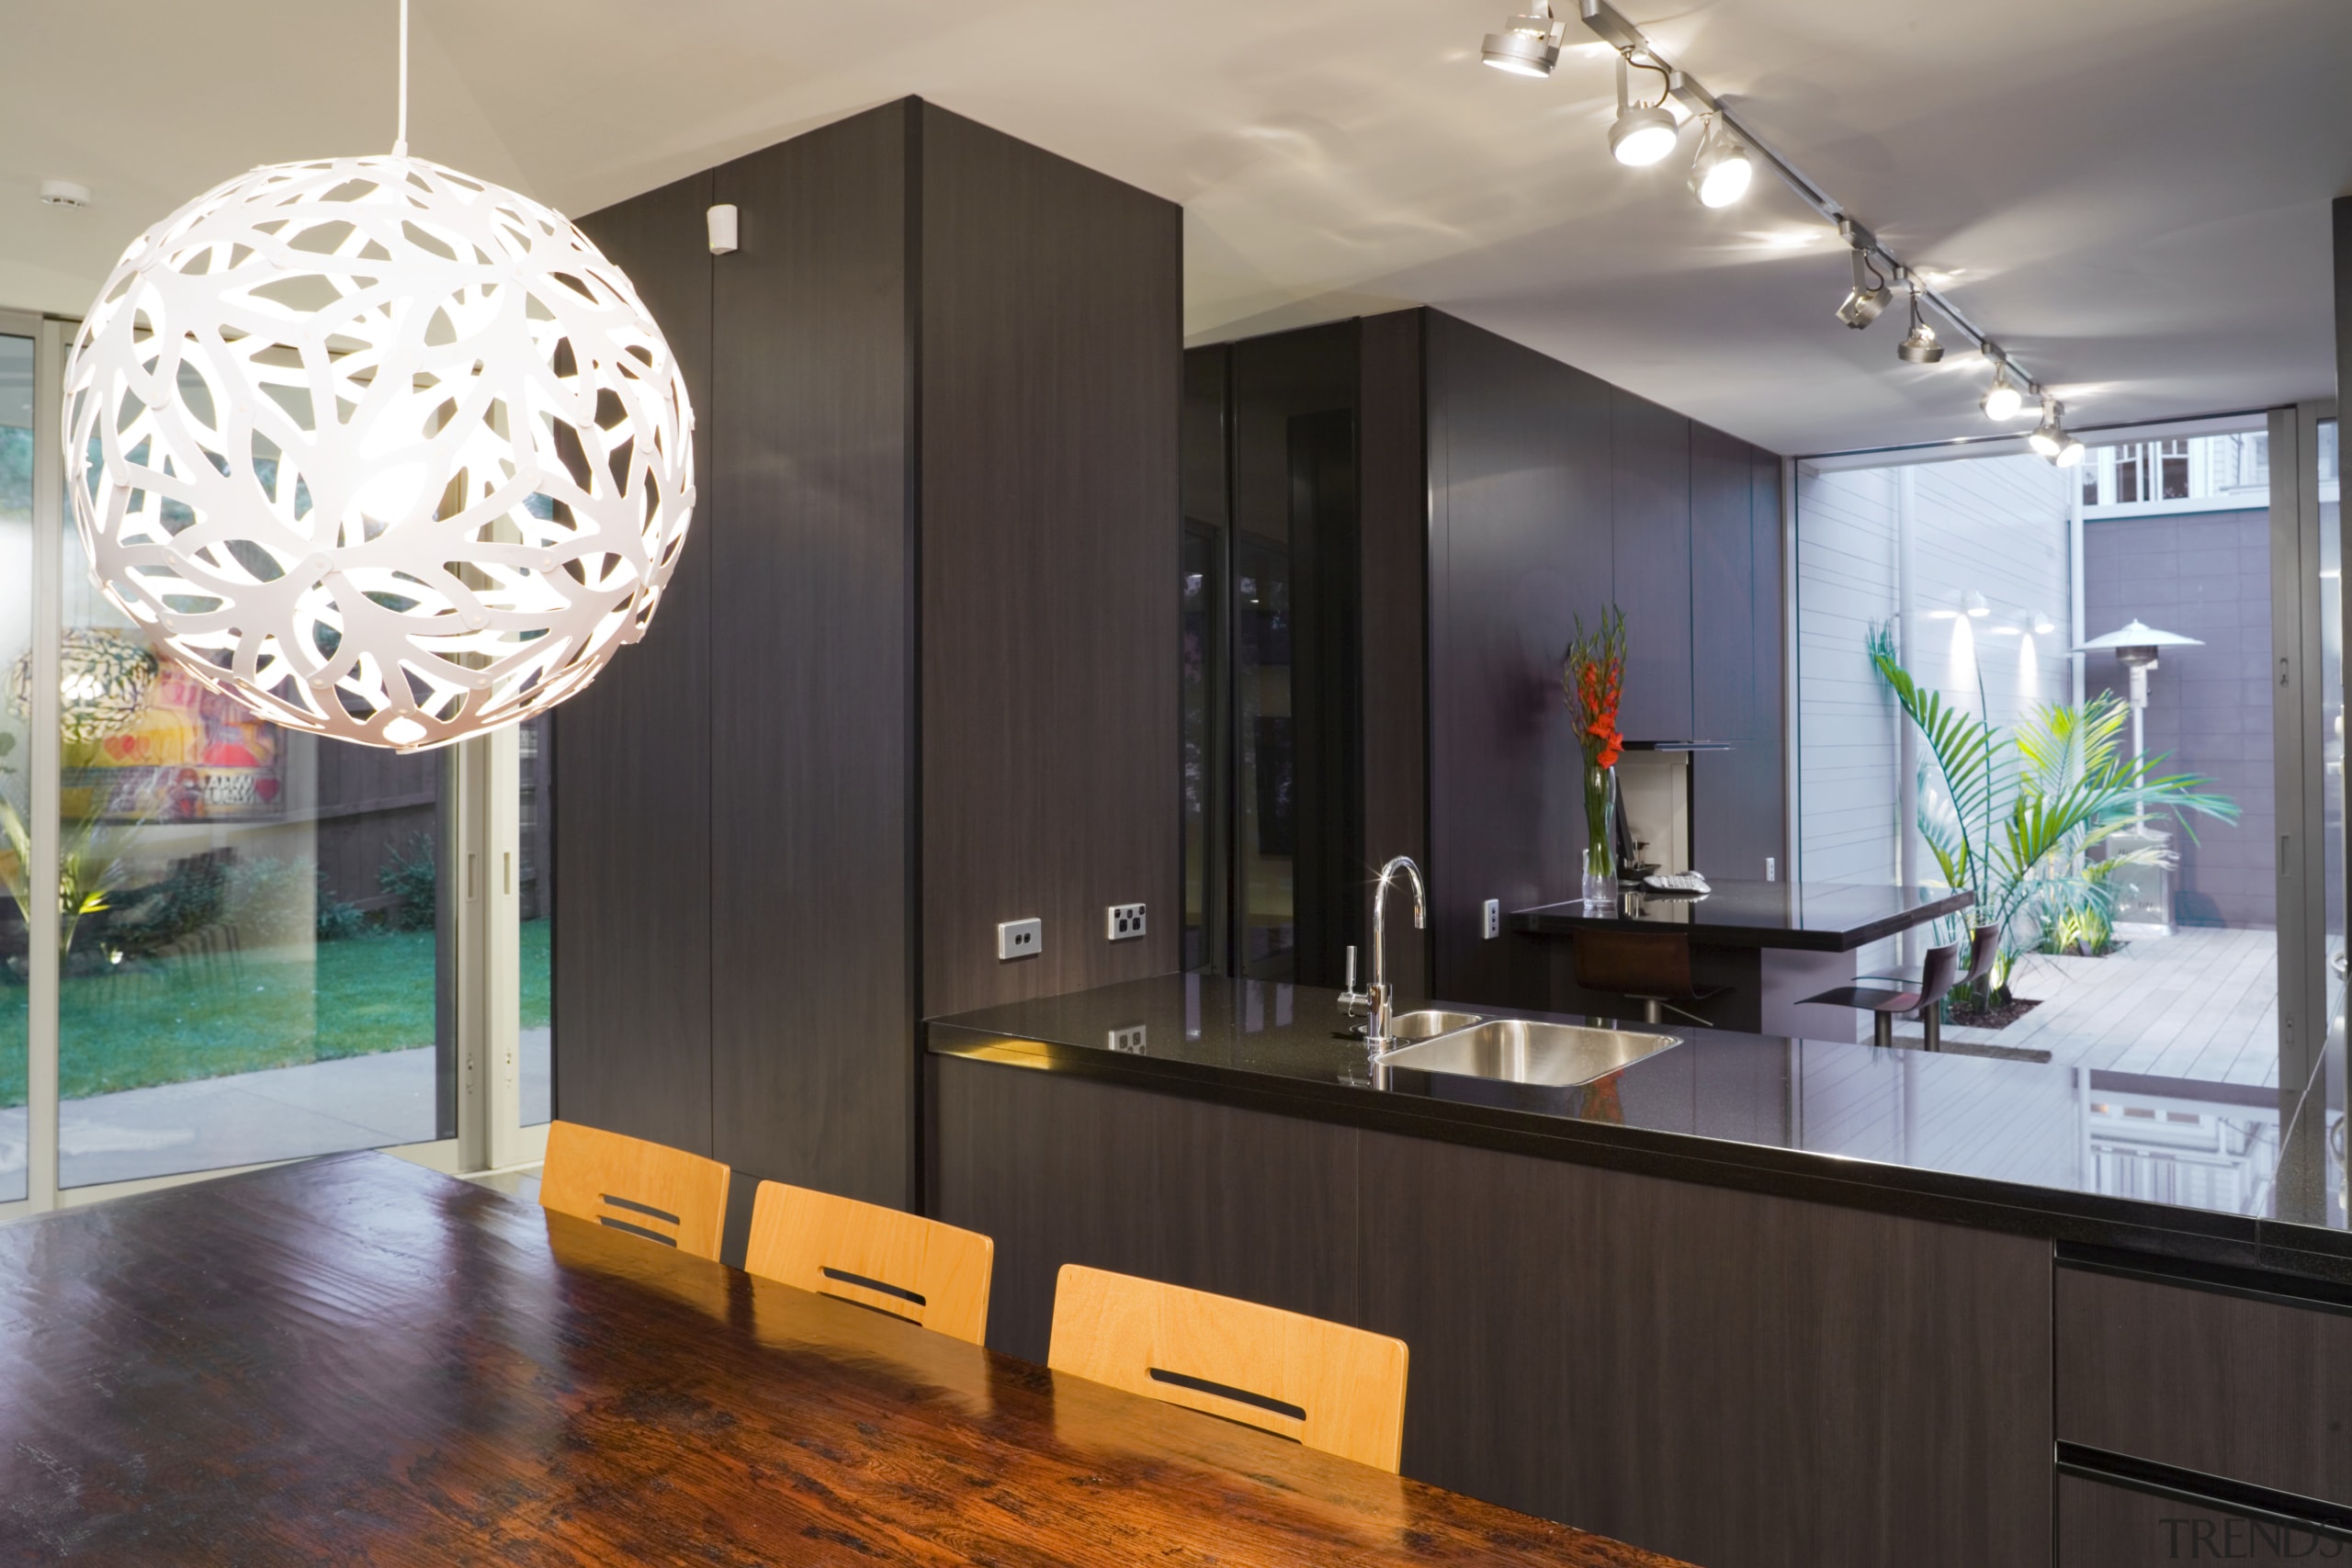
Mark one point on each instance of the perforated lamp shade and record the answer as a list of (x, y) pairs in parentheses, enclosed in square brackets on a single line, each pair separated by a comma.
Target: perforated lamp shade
[(382, 451), (103, 679)]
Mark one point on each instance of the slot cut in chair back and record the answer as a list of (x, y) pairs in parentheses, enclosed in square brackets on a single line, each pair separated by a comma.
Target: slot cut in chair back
[(926, 1272), (626, 1184), (1322, 1384)]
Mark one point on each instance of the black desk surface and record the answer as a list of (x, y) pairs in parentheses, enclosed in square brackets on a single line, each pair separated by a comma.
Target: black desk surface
[(1815, 916)]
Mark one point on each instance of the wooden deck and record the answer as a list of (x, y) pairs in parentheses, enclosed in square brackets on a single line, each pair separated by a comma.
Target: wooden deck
[(2199, 1004)]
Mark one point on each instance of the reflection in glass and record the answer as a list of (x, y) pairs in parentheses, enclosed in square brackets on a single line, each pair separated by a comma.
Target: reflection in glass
[(16, 802), (535, 889), (2331, 707), (252, 954), (1199, 668), (1267, 758)]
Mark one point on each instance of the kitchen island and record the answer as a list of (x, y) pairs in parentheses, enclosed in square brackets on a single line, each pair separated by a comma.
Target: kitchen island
[(1767, 944), (1751, 1299)]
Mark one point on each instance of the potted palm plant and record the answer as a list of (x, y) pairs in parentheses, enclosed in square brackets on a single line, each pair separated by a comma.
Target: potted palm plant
[(2021, 811)]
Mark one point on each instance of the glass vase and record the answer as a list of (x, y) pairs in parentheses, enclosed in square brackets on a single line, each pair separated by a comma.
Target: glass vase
[(1599, 838)]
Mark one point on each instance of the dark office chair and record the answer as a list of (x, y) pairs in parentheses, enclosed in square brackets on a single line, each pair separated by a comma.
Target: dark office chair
[(1649, 967), (1936, 978)]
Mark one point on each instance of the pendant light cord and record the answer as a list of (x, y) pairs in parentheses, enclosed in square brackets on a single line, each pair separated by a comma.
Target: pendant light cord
[(400, 143)]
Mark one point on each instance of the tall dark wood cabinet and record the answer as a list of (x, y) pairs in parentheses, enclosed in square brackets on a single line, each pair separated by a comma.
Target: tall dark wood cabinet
[(913, 678), (1652, 497), (1551, 495), (1050, 332), (1502, 497), (1522, 540), (811, 560), (632, 761)]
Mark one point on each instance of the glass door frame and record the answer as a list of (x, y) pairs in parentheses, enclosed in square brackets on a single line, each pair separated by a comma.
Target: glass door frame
[(2307, 1034), (481, 849)]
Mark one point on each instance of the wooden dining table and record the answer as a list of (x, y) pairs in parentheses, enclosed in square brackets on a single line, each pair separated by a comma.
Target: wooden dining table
[(357, 1360)]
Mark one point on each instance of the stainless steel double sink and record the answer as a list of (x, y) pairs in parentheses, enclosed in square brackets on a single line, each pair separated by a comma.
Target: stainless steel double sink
[(1516, 1063)]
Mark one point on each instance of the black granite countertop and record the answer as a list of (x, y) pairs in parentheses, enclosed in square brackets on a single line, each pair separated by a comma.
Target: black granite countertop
[(1823, 917), (2079, 1155)]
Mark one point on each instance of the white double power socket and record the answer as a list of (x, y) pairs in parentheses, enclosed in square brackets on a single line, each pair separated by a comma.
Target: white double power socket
[(1026, 939)]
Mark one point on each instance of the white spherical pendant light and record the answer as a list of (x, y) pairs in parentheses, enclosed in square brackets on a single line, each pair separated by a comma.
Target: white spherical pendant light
[(382, 451)]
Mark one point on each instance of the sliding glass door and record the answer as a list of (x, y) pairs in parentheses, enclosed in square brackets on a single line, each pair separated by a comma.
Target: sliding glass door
[(2175, 599), (227, 943), (17, 343)]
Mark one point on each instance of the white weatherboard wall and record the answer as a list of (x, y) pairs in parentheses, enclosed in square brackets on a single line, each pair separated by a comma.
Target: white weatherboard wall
[(1996, 525)]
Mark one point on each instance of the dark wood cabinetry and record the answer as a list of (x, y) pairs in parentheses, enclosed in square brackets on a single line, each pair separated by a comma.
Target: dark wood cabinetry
[(1552, 495), (809, 552), (1049, 342), (1652, 500), (2248, 1384), (915, 673), (1520, 540), (632, 832), (1059, 1171), (1735, 630), (1725, 1376), (2105, 1525)]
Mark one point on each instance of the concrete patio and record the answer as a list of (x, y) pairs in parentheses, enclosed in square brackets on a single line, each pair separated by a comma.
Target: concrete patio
[(356, 1102)]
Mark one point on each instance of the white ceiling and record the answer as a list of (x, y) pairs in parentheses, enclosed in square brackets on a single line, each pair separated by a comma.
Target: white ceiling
[(2130, 194)]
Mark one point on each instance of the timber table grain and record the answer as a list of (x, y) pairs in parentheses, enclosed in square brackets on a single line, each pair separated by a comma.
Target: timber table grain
[(354, 1360)]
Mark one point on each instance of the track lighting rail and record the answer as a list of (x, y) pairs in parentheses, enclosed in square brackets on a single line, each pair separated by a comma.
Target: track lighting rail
[(1607, 23)]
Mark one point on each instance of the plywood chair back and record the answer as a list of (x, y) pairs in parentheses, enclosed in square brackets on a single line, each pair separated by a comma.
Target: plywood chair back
[(913, 1267), (646, 1190), (1324, 1384)]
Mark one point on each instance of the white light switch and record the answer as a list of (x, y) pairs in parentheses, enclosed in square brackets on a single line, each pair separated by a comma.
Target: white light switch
[(1020, 939), (1493, 919)]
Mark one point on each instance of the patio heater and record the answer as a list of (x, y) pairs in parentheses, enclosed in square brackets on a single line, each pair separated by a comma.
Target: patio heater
[(2143, 893)]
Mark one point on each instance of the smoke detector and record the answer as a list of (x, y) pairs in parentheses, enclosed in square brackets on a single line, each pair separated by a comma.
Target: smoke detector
[(63, 193)]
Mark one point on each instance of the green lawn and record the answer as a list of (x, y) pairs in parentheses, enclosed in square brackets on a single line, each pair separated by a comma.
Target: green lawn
[(199, 1019)]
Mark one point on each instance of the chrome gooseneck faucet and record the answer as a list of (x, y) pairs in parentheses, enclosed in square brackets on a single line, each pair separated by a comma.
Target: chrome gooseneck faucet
[(1379, 995)]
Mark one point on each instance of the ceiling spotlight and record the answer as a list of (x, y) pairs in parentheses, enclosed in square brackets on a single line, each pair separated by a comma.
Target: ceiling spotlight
[(2002, 401), (1974, 603), (1920, 347), (1528, 45), (2050, 437), (1867, 298), (1723, 171), (1644, 132)]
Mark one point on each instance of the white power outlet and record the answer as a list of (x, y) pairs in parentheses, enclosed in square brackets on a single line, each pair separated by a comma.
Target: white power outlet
[(1123, 922), (1020, 939), (1129, 1039), (1493, 916)]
